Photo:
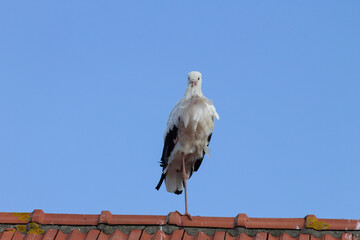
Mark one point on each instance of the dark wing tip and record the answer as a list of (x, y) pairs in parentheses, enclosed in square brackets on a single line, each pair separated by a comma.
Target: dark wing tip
[(160, 182), (198, 163), (177, 192)]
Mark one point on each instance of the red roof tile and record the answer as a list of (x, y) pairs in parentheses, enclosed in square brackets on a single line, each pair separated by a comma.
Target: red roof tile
[(219, 222), (64, 219), (281, 223), (47, 226), (14, 217), (7, 234), (107, 217)]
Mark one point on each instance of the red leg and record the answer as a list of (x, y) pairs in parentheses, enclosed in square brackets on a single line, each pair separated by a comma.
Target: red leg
[(185, 180)]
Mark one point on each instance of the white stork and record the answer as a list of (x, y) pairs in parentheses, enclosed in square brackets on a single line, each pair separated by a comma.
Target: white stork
[(187, 136)]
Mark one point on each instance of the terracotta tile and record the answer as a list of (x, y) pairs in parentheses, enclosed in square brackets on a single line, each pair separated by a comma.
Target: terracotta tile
[(197, 236), (60, 235), (73, 235), (244, 236), (303, 236), (50, 234), (219, 235), (38, 216), (146, 236), (7, 234), (241, 220), (107, 217), (118, 235), (241, 236), (275, 223), (331, 224), (33, 236), (341, 224), (187, 236), (327, 237), (271, 237), (138, 220), (92, 234), (202, 236), (177, 235), (18, 236), (261, 236), (103, 236), (160, 235), (346, 236), (135, 234), (64, 219), (286, 236), (14, 217), (314, 238), (184, 221), (76, 235), (229, 237)]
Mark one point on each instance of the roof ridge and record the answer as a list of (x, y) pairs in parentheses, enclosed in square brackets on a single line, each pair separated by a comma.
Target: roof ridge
[(173, 218)]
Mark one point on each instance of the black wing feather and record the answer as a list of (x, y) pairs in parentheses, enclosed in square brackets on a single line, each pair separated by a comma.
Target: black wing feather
[(169, 144), (199, 161)]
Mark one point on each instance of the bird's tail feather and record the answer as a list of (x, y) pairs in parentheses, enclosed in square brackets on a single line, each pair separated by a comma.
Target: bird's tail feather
[(174, 181)]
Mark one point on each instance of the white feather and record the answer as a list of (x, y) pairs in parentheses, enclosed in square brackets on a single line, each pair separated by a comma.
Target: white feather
[(174, 180)]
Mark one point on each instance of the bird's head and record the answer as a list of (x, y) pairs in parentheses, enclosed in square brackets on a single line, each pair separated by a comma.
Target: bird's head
[(194, 79)]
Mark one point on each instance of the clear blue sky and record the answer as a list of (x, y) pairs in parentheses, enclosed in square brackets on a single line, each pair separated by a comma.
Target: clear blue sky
[(86, 88)]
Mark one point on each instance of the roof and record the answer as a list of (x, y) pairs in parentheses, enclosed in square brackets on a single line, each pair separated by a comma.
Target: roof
[(106, 226)]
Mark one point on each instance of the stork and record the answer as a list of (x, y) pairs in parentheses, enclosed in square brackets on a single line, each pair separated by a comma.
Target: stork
[(187, 136)]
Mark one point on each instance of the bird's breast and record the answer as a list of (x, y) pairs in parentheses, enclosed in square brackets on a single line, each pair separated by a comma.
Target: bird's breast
[(194, 130)]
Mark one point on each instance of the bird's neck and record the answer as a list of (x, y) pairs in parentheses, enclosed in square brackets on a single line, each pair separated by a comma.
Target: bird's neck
[(193, 91)]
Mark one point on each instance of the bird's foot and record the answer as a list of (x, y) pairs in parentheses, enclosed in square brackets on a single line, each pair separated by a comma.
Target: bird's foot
[(185, 214), (188, 215)]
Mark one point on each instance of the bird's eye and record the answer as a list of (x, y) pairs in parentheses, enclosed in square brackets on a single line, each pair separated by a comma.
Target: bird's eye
[(198, 79)]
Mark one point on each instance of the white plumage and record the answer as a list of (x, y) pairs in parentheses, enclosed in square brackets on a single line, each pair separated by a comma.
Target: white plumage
[(187, 134)]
